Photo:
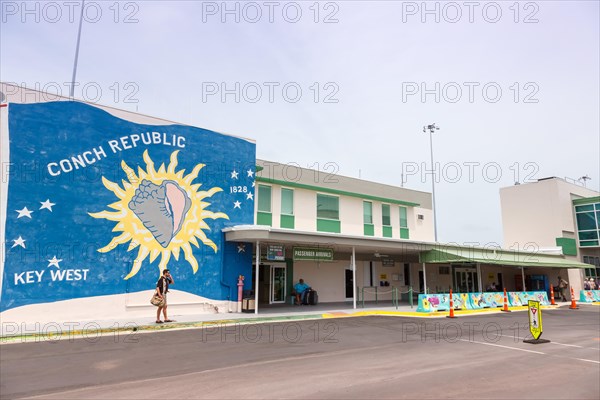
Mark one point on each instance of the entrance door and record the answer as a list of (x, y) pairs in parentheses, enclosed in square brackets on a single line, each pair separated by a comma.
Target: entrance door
[(349, 285), (277, 284), (465, 280)]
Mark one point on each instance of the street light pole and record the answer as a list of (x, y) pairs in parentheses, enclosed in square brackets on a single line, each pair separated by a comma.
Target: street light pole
[(72, 91), (431, 128)]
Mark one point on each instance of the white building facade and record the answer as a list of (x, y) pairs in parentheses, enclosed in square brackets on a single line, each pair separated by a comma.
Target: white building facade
[(554, 213)]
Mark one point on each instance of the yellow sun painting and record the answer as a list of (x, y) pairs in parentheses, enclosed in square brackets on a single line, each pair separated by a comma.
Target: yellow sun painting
[(161, 212)]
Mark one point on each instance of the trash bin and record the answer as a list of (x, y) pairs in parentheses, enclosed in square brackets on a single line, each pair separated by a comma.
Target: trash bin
[(248, 305)]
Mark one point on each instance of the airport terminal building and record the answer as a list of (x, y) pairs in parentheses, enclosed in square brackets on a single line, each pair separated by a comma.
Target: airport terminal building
[(99, 201)]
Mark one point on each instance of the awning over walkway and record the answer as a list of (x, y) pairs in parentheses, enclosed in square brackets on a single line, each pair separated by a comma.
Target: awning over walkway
[(341, 242), (498, 257)]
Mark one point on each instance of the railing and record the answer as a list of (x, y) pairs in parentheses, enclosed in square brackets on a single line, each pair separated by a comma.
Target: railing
[(377, 291)]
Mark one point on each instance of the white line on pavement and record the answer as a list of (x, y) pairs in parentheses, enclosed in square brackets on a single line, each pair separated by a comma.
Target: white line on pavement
[(499, 345), (560, 344), (592, 361)]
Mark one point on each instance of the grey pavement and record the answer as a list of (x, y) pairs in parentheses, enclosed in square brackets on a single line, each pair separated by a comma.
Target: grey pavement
[(471, 357)]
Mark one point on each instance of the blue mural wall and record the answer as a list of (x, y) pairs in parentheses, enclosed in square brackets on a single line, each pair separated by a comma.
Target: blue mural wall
[(98, 205)]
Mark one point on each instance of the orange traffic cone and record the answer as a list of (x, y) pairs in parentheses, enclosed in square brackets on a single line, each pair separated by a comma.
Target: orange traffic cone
[(451, 315), (505, 308), (552, 302), (573, 303)]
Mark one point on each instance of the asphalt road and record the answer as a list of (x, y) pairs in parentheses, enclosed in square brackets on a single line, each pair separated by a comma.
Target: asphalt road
[(479, 356)]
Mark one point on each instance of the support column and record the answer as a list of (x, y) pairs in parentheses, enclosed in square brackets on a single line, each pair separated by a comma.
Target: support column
[(479, 277), (424, 279), (523, 277), (257, 283), (353, 277)]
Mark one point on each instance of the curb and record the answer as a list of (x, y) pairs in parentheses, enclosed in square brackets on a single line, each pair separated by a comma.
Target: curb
[(150, 328), (94, 333)]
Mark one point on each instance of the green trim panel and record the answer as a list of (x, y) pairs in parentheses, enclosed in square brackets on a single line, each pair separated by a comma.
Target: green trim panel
[(404, 234), (587, 200), (286, 221), (569, 246), (264, 218), (289, 277), (329, 225), (387, 231), (369, 230), (334, 191)]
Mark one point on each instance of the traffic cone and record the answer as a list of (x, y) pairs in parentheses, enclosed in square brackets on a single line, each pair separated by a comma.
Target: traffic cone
[(505, 308), (451, 315), (573, 303), (552, 302)]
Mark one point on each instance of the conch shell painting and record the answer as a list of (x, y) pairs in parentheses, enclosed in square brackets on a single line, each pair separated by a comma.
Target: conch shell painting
[(161, 212), (162, 209)]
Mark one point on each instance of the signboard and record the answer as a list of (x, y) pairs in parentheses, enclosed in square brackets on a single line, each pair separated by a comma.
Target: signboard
[(387, 262), (275, 252), (312, 254), (535, 318)]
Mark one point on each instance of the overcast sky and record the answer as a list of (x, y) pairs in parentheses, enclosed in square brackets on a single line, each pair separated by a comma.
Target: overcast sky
[(346, 86)]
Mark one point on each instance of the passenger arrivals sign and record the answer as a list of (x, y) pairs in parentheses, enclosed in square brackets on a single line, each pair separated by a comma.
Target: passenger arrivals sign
[(313, 254)]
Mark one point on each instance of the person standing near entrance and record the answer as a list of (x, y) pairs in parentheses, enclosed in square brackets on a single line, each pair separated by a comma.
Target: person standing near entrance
[(300, 288), (562, 286)]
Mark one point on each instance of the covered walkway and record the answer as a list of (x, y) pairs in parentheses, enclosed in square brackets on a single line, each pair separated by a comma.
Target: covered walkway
[(350, 249)]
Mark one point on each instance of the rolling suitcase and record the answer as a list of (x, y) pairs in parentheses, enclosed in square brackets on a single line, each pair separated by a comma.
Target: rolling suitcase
[(311, 298)]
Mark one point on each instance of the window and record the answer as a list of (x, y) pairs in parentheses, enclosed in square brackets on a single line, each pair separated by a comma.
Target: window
[(403, 219), (588, 224), (264, 198), (287, 201), (286, 219), (385, 215), (368, 212), (328, 207), (404, 234), (595, 262), (368, 227)]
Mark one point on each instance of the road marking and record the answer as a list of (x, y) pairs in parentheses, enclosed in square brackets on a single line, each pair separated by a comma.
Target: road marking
[(552, 342), (499, 345), (528, 351), (592, 361)]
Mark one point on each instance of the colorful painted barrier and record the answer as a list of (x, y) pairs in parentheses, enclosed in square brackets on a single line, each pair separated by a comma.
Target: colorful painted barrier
[(481, 300), (589, 296), (441, 302), (521, 298), (477, 300)]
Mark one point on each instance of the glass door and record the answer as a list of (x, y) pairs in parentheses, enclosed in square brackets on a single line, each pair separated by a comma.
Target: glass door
[(277, 284), (465, 280)]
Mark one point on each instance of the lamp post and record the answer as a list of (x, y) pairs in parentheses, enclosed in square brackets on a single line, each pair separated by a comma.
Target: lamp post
[(72, 91), (431, 128)]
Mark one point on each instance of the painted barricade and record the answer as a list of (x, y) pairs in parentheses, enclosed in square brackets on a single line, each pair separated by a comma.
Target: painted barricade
[(478, 300), (433, 302), (589, 296), (521, 298), (441, 302), (481, 300)]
